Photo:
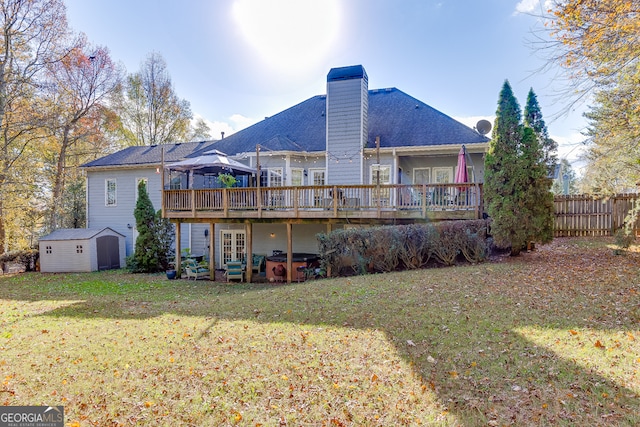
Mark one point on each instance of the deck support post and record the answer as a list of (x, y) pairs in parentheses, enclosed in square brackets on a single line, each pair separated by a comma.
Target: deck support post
[(249, 260), (178, 250), (212, 251), (289, 252)]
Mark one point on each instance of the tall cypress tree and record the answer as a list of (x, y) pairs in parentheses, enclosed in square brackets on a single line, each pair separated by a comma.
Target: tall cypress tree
[(517, 167), (504, 175), (155, 236), (540, 161)]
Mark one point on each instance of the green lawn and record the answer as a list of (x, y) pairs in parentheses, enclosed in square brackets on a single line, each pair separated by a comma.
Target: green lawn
[(549, 338)]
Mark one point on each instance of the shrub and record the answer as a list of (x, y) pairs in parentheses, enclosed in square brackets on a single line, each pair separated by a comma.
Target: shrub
[(416, 245), (28, 258), (385, 249), (447, 243)]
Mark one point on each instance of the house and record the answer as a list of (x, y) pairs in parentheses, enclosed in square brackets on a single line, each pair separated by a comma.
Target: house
[(351, 157), (81, 250)]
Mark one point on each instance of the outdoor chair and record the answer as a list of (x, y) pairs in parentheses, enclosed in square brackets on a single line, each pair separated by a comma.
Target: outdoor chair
[(195, 270), (234, 271), (258, 263)]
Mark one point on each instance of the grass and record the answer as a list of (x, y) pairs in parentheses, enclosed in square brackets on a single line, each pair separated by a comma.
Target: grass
[(548, 338)]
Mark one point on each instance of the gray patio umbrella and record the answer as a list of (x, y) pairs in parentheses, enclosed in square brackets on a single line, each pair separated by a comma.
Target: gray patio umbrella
[(213, 163)]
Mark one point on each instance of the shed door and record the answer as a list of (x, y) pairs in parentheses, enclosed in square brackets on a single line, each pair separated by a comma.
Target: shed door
[(108, 252)]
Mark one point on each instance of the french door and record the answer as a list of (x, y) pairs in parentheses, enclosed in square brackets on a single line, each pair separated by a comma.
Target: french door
[(234, 246)]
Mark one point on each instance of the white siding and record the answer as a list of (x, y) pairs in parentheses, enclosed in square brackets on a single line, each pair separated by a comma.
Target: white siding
[(64, 256), (117, 217)]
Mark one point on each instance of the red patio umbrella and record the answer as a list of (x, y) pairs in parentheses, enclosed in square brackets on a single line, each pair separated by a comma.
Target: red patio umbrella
[(461, 173)]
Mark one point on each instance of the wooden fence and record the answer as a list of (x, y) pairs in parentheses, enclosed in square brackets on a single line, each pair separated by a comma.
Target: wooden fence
[(586, 215)]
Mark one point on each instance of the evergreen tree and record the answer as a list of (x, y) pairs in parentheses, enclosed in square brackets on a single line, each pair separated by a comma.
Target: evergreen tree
[(504, 175), (539, 161), (155, 236), (517, 184)]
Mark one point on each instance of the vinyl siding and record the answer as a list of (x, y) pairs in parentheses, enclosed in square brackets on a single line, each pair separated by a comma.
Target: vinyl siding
[(347, 109), (117, 217)]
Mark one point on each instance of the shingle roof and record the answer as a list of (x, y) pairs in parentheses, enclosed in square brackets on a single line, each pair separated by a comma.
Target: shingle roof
[(141, 155), (397, 118), (73, 234)]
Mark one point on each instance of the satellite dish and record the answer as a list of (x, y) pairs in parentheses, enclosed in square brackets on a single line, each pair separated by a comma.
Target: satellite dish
[(483, 126)]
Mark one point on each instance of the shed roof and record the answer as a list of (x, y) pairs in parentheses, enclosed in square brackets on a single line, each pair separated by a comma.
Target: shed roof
[(75, 234)]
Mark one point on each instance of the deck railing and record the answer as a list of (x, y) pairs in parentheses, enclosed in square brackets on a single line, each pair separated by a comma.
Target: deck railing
[(371, 201)]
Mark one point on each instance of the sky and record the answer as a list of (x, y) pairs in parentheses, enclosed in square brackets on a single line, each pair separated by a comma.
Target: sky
[(239, 61)]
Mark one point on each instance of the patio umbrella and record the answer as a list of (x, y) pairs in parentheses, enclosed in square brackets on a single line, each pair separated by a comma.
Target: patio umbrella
[(461, 173), (210, 164)]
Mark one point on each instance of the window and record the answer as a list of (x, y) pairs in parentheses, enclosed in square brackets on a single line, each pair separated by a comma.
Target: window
[(48, 249), (316, 177), (275, 177), (110, 192), (382, 195), (297, 177), (385, 174), (422, 176), (78, 249), (442, 175)]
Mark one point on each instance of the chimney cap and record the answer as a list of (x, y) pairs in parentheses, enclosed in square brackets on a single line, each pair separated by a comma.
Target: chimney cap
[(346, 73)]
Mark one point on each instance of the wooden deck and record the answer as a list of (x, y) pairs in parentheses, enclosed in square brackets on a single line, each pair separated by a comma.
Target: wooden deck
[(364, 203)]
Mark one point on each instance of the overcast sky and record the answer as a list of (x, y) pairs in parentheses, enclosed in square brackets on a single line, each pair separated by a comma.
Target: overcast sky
[(238, 61)]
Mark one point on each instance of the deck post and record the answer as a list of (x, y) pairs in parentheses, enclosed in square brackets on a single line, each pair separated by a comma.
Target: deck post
[(225, 201), (249, 263), (329, 227), (289, 252), (178, 250), (212, 251)]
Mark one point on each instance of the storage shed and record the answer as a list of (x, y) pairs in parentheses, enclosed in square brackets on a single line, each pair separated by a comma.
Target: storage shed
[(81, 249)]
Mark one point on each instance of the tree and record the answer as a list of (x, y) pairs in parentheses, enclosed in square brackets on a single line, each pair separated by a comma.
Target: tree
[(29, 35), (597, 43), (539, 162), (201, 131), (150, 110), (155, 236), (517, 185), (614, 131), (503, 174), (79, 84), (597, 39)]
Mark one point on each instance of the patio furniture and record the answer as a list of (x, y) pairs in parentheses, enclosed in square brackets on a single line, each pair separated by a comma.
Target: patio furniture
[(258, 263), (235, 271), (195, 270)]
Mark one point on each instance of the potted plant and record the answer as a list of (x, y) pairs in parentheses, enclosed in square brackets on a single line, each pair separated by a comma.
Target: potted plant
[(227, 180)]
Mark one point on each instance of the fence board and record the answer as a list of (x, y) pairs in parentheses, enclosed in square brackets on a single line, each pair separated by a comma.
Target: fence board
[(586, 215)]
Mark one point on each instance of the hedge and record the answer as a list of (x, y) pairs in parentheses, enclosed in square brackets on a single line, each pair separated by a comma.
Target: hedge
[(403, 247)]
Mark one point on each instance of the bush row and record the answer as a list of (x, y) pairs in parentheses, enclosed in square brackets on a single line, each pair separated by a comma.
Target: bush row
[(390, 248), (28, 258)]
